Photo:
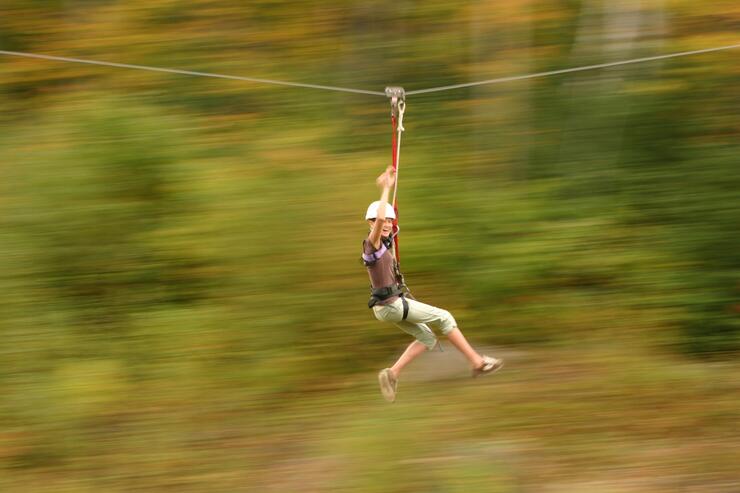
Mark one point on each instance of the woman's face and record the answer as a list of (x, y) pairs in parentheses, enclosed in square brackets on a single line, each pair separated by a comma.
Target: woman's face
[(387, 226)]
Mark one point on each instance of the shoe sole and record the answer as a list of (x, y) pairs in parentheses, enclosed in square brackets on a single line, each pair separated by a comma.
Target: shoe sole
[(496, 367), (386, 388)]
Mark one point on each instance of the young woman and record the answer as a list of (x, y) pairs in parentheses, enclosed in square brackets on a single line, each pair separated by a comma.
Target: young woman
[(389, 303)]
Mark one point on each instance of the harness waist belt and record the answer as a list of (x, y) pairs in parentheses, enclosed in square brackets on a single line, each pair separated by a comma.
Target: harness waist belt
[(386, 292), (380, 294)]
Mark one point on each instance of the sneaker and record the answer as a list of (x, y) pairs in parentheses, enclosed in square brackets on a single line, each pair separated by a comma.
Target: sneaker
[(489, 365), (388, 384)]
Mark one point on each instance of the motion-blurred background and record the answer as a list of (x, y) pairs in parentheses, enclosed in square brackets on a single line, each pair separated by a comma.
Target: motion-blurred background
[(183, 308)]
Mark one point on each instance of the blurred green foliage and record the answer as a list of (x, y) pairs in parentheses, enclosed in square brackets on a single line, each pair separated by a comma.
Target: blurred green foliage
[(180, 269)]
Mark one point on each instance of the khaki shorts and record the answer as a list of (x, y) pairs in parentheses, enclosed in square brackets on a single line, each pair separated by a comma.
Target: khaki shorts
[(419, 316)]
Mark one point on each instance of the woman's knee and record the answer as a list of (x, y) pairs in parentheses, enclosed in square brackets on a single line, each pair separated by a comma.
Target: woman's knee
[(447, 322), (429, 342), (421, 333), (426, 337)]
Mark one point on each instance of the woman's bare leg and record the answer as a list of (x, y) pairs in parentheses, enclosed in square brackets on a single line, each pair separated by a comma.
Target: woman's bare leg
[(411, 352), (458, 340)]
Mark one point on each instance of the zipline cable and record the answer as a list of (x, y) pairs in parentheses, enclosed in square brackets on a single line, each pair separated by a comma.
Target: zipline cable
[(569, 70), (189, 72), (362, 91)]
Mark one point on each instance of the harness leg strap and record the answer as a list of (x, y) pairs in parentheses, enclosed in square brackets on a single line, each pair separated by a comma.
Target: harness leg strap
[(405, 308)]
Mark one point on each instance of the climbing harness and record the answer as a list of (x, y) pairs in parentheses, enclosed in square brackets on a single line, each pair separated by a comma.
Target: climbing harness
[(383, 293)]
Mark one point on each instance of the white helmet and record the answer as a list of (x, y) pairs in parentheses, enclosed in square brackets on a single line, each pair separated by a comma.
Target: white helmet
[(372, 210)]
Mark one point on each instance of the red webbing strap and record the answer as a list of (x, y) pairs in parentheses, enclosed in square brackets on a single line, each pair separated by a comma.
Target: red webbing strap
[(394, 148)]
